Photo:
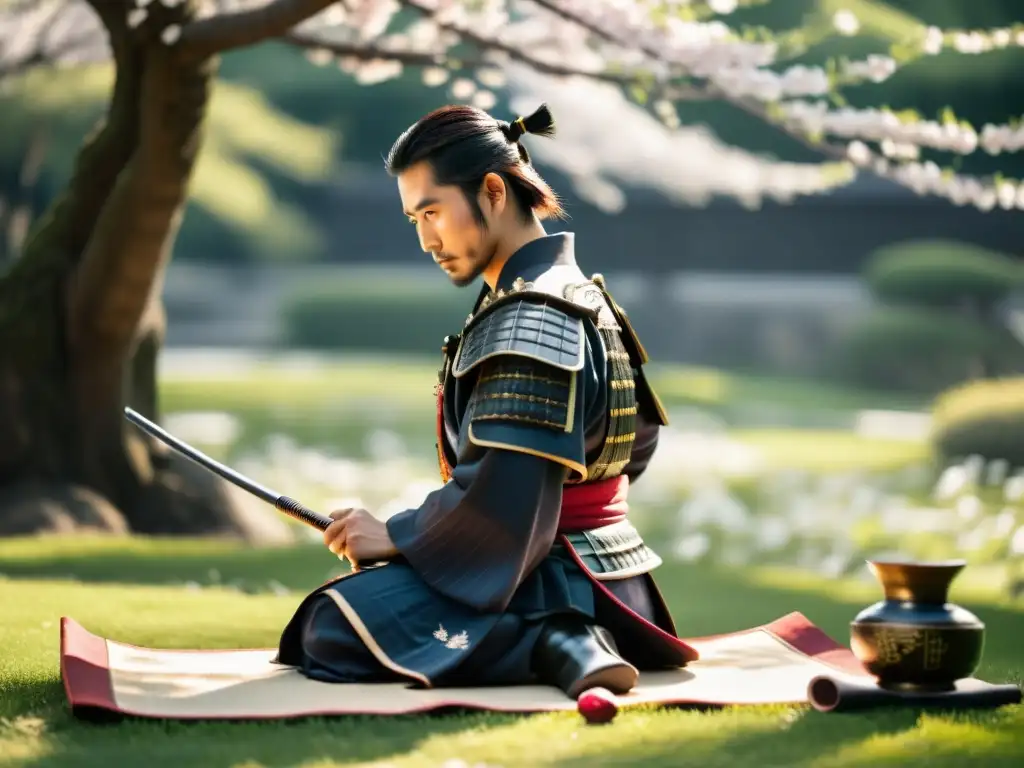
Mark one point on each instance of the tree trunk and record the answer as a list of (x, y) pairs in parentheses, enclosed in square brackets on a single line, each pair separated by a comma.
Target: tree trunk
[(81, 320)]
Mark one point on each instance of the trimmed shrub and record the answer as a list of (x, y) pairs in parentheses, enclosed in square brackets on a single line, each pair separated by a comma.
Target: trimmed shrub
[(368, 313), (936, 324), (920, 350), (984, 418), (940, 273)]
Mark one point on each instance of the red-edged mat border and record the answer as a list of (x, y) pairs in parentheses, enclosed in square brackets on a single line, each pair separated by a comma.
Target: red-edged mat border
[(797, 631), (85, 666)]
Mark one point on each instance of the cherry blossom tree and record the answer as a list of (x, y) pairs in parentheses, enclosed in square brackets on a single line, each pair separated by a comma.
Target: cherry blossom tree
[(81, 320)]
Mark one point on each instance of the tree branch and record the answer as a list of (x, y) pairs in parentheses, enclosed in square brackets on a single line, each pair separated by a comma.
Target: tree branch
[(207, 37), (680, 91), (490, 44), (427, 59), (368, 52), (275, 20)]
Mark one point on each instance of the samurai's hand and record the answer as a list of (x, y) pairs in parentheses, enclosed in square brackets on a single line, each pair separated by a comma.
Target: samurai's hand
[(356, 535)]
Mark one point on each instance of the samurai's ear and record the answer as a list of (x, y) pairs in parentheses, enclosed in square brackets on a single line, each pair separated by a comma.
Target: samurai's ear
[(494, 192)]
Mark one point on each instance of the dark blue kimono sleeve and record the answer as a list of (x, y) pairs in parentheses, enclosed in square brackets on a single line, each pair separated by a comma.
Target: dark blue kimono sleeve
[(476, 538)]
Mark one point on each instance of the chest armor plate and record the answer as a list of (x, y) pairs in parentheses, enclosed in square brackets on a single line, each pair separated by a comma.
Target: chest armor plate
[(620, 374)]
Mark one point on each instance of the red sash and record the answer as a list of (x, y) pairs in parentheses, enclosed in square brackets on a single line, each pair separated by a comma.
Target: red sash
[(592, 505)]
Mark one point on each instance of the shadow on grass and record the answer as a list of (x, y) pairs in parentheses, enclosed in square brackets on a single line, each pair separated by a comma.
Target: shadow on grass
[(806, 739), (273, 744), (20, 697), (806, 736), (172, 561), (796, 738)]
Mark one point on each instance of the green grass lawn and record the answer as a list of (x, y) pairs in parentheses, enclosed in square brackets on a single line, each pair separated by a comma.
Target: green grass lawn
[(131, 591), (408, 381), (818, 450)]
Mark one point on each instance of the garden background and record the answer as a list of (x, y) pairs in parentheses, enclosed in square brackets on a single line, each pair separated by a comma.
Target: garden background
[(844, 373)]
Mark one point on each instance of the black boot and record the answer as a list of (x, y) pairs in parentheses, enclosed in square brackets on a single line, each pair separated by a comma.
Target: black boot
[(574, 656)]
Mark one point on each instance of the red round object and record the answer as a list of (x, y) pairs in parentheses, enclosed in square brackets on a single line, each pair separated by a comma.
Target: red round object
[(597, 705)]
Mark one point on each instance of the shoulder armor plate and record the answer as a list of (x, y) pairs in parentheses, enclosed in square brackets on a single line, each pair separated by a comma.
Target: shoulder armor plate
[(539, 327), (590, 296), (517, 391)]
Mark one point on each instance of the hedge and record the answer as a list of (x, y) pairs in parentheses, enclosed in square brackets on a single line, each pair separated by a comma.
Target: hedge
[(920, 350), (374, 312), (941, 273), (983, 418)]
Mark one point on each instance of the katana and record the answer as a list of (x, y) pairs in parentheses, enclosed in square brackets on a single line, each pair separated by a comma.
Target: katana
[(289, 506)]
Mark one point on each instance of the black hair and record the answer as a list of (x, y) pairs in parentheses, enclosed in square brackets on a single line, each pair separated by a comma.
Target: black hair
[(463, 144)]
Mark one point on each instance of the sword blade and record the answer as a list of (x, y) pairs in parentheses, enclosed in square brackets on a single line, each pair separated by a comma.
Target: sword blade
[(284, 504)]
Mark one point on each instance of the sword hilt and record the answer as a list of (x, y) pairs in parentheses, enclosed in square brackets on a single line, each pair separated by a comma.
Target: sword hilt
[(303, 514)]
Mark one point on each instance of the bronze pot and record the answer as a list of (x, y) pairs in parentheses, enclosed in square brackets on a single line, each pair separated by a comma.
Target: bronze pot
[(915, 639)]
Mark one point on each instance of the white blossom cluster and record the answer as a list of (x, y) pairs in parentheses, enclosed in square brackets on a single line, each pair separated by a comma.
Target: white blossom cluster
[(884, 125), (140, 12), (959, 189), (971, 41), (928, 178), (875, 68), (614, 43), (767, 85)]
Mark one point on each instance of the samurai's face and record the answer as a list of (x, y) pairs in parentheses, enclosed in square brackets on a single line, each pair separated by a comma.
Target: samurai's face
[(446, 224)]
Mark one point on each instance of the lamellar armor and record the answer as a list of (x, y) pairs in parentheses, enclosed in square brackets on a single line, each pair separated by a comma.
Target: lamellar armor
[(554, 368)]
